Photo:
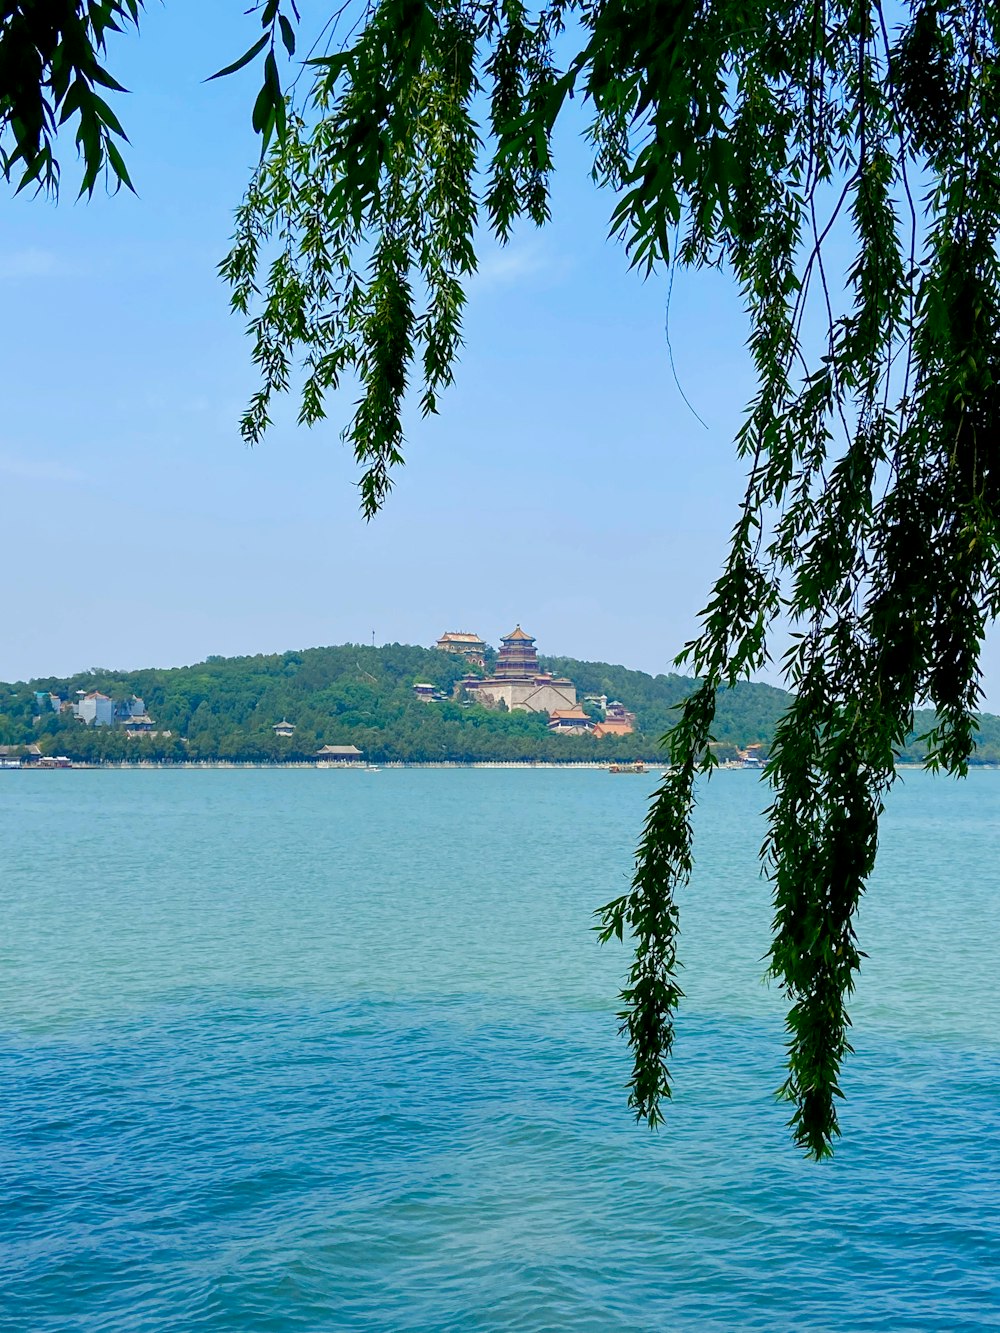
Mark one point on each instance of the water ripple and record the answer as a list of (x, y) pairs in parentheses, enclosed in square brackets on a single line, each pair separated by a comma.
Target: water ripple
[(354, 1067), (383, 1166)]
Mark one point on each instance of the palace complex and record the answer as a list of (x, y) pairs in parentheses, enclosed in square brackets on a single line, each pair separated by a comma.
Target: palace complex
[(469, 646), (517, 684)]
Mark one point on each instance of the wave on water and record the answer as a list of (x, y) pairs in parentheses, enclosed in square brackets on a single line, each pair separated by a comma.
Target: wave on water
[(285, 1165)]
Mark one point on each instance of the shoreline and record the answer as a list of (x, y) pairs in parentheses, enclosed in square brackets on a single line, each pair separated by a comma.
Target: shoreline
[(654, 768), (207, 764)]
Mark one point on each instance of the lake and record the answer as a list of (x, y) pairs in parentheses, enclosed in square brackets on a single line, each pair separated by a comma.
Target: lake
[(313, 1050)]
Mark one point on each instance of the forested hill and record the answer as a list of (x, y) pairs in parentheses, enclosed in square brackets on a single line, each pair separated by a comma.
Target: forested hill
[(225, 708)]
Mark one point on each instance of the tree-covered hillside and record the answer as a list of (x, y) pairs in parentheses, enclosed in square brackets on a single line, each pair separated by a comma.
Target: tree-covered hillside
[(225, 708), (747, 714)]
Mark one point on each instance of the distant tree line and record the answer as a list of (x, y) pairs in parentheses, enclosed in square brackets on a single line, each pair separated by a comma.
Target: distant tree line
[(226, 708)]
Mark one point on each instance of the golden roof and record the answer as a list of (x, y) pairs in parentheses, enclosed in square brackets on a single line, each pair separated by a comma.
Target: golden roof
[(517, 634)]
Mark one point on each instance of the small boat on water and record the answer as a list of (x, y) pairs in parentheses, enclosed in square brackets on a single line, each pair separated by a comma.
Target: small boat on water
[(638, 767)]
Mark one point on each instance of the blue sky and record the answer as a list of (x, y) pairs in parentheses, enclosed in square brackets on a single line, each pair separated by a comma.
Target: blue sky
[(565, 484)]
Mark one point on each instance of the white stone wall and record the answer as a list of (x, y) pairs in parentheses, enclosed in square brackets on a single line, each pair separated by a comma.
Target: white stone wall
[(529, 697)]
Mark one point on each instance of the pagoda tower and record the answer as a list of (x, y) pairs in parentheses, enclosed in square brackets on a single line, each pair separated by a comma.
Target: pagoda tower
[(517, 659), (517, 683)]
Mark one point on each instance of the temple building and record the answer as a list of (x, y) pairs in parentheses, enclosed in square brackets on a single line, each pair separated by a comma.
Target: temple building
[(518, 657), (339, 754), (571, 721), (613, 729), (469, 646), (139, 725), (618, 721), (95, 709), (517, 683)]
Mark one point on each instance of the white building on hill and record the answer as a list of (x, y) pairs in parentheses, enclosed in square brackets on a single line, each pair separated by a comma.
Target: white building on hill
[(95, 709)]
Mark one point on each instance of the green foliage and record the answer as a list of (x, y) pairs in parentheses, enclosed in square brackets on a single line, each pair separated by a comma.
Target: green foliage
[(226, 708), (269, 110), (51, 54), (745, 714), (734, 135), (346, 299)]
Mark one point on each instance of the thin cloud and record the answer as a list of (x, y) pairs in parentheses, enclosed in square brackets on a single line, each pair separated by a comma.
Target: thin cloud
[(39, 469), (511, 265), (32, 262)]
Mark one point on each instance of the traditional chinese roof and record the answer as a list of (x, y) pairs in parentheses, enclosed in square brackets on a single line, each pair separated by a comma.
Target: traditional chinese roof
[(451, 637), (343, 751), (517, 635), (613, 727), (576, 714)]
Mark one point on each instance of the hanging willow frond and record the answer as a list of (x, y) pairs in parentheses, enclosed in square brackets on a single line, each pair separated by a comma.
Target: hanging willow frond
[(52, 73)]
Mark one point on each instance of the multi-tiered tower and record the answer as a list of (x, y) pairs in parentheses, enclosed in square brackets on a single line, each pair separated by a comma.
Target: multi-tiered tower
[(517, 659), (517, 683)]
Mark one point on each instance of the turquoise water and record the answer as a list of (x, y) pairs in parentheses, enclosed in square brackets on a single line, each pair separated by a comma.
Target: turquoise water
[(312, 1050)]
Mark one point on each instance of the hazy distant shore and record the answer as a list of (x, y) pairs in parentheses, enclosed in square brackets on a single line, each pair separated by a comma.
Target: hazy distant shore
[(357, 767), (653, 767)]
